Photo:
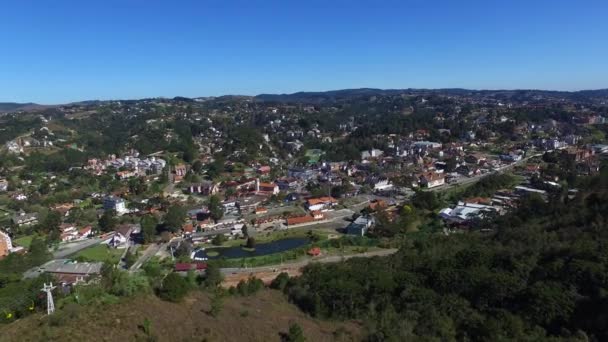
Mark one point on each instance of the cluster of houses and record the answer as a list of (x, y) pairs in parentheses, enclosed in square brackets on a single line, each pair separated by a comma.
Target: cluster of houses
[(129, 165)]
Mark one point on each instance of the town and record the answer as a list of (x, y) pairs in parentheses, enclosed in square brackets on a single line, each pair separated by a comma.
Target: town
[(257, 186)]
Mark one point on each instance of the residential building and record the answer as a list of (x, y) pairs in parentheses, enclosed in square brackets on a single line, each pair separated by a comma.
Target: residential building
[(321, 203), (431, 179), (3, 185), (24, 219), (6, 244), (115, 203), (266, 188), (205, 189), (360, 226)]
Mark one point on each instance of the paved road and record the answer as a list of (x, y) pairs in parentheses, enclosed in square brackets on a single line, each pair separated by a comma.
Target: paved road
[(300, 264), (147, 255), (75, 247), (469, 180)]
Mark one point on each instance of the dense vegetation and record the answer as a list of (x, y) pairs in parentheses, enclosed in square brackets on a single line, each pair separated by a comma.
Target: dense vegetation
[(543, 274)]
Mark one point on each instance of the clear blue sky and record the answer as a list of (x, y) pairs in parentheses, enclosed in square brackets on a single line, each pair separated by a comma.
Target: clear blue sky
[(61, 51)]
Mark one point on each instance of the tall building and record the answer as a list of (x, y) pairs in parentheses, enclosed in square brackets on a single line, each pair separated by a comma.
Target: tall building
[(115, 203), (6, 244)]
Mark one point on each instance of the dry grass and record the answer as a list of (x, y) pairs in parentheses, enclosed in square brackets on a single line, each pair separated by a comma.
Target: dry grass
[(257, 318)]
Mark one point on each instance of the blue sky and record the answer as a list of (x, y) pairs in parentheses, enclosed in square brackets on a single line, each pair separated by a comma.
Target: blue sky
[(61, 51)]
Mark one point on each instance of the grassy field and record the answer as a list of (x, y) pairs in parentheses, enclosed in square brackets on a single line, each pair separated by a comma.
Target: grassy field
[(100, 253), (262, 317), (24, 242)]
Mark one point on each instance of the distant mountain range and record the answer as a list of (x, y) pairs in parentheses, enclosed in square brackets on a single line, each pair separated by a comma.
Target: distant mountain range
[(13, 106), (347, 94)]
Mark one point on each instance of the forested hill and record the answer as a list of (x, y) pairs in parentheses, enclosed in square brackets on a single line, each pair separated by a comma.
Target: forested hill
[(350, 94), (12, 106), (543, 275)]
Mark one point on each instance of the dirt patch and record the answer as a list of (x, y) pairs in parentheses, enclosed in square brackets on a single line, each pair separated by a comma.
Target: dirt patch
[(257, 318)]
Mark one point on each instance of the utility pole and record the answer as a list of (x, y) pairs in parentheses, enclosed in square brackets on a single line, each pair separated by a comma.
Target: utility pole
[(50, 304)]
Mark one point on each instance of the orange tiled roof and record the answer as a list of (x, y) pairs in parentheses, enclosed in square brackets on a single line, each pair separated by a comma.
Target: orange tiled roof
[(326, 199)]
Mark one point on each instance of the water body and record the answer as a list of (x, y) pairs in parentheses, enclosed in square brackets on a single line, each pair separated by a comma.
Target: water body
[(260, 249)]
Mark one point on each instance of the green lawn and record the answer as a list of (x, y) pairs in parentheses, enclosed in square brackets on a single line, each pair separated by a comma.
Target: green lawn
[(100, 253), (25, 241)]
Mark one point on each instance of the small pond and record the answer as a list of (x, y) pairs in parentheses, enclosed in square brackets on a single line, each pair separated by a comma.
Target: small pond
[(260, 249)]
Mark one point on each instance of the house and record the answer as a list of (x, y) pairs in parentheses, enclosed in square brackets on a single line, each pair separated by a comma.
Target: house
[(187, 229), (315, 251), (301, 173), (510, 157), (115, 203), (373, 153), (70, 272), (3, 185), (24, 219), (121, 236), (261, 211), (85, 232), (266, 188), (6, 245), (382, 184), (179, 172), (431, 179), (292, 221), (122, 175), (377, 204), (360, 226), (205, 189), (464, 212), (287, 183), (427, 145), (321, 203), (68, 232), (265, 169)]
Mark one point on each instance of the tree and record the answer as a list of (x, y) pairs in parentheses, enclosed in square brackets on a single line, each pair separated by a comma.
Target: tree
[(107, 222), (215, 208), (217, 304), (213, 276), (174, 288), (250, 242), (218, 240), (197, 166), (295, 333), (426, 200), (176, 215), (148, 228)]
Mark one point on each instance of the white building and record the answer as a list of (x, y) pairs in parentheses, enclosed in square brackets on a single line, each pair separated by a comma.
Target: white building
[(115, 203)]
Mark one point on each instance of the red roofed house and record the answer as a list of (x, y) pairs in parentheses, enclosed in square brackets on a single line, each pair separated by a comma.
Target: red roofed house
[(321, 203), (264, 169), (266, 188), (315, 251), (68, 232), (261, 210), (85, 232), (188, 229), (292, 221)]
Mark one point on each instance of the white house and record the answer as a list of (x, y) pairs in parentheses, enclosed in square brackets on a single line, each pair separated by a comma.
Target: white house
[(431, 179)]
